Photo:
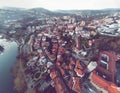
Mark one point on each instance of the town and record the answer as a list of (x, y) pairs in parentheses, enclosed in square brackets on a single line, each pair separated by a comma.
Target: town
[(71, 55)]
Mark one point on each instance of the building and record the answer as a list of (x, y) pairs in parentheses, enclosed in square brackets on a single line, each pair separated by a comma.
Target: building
[(107, 73)]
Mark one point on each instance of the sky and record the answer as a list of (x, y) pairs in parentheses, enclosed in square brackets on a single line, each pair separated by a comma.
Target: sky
[(62, 4)]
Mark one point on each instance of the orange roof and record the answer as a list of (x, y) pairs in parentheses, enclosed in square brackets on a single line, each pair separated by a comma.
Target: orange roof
[(62, 71), (76, 86), (78, 64), (53, 74), (113, 89), (100, 81), (79, 72)]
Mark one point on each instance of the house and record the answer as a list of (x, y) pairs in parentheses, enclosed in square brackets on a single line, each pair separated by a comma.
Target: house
[(60, 85), (76, 85), (70, 26), (53, 74), (107, 73), (79, 72), (107, 65), (78, 42), (61, 50), (78, 64)]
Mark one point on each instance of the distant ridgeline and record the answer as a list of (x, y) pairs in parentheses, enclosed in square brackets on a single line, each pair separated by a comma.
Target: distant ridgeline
[(1, 49)]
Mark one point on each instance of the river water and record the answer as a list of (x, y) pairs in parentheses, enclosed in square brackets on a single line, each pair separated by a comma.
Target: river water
[(7, 61)]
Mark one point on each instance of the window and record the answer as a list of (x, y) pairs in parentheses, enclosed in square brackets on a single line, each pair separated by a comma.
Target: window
[(104, 61)]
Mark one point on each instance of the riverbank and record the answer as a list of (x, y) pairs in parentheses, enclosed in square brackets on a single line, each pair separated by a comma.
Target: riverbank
[(20, 84), (1, 49)]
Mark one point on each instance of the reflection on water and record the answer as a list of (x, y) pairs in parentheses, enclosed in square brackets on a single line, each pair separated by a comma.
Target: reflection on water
[(7, 60)]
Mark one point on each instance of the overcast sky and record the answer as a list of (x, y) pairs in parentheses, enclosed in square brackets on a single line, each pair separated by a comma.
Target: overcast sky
[(62, 4)]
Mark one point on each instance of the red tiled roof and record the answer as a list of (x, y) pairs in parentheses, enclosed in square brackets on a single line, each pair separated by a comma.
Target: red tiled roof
[(53, 74), (109, 86), (100, 81), (62, 71), (113, 89), (78, 64), (76, 86), (79, 72)]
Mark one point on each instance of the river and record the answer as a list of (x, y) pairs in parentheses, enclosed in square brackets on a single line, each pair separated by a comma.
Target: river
[(7, 61)]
